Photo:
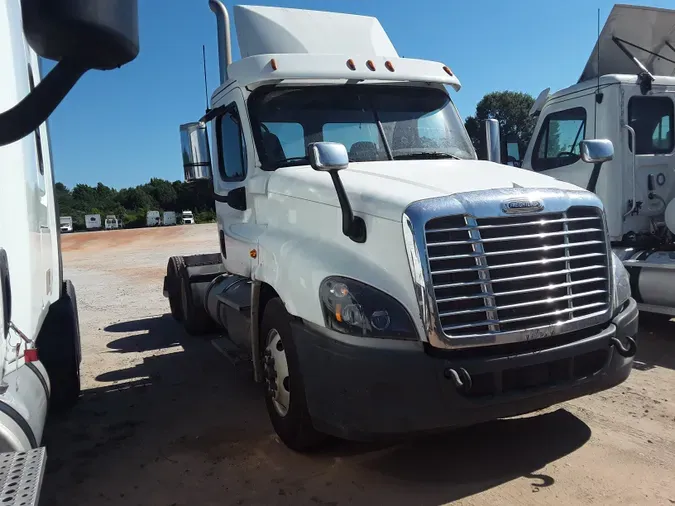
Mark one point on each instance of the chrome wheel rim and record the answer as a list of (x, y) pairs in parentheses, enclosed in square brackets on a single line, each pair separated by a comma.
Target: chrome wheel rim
[(276, 373)]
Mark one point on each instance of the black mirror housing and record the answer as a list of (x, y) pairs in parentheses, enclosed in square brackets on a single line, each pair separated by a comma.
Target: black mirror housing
[(93, 34)]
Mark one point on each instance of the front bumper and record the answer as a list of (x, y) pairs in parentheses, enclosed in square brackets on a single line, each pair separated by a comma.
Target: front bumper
[(365, 389)]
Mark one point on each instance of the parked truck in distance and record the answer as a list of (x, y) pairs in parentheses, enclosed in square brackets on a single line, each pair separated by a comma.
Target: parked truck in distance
[(169, 218), (188, 218), (66, 224), (92, 221), (153, 219), (631, 102), (111, 222), (380, 279)]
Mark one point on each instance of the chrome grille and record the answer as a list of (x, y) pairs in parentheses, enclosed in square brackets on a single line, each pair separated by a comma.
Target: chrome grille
[(512, 273)]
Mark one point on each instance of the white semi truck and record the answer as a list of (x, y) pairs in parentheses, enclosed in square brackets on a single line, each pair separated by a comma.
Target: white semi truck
[(626, 93), (66, 223), (39, 330), (379, 277), (188, 218), (111, 222)]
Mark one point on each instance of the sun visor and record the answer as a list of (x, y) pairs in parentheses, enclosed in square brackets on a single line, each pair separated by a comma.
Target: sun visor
[(274, 30), (645, 31)]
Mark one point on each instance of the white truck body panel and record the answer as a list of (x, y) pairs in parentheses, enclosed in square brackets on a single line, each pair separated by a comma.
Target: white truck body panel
[(169, 218), (92, 221), (153, 219), (29, 229)]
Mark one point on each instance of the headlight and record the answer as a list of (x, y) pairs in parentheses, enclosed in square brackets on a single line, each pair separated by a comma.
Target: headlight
[(621, 281), (354, 308)]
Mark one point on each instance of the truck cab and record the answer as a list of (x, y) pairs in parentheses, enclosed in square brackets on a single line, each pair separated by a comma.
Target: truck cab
[(111, 222), (629, 100), (66, 224), (188, 218), (380, 279)]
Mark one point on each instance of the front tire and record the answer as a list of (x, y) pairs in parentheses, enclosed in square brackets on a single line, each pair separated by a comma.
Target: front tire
[(285, 391)]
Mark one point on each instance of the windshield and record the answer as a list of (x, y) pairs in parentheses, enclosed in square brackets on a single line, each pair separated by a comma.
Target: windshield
[(373, 122)]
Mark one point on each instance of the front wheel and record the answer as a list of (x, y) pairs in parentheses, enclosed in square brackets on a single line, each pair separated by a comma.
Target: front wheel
[(285, 390)]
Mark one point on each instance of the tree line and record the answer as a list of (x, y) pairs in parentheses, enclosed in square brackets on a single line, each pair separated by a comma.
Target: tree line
[(132, 204), (510, 108)]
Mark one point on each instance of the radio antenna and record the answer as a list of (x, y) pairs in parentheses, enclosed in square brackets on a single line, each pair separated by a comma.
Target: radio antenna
[(206, 86)]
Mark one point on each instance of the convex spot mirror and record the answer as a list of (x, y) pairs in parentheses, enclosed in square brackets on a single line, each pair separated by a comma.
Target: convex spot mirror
[(194, 143), (596, 150), (95, 34), (328, 156)]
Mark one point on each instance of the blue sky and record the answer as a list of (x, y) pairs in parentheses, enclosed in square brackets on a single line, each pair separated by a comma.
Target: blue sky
[(121, 127)]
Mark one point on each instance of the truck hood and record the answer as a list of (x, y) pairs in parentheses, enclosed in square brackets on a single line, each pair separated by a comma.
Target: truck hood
[(385, 189)]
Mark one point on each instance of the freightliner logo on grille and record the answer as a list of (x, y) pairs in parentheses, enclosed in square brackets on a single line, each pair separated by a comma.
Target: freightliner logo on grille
[(518, 206)]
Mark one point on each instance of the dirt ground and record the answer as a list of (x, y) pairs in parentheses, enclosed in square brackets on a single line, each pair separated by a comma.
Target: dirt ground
[(166, 420)]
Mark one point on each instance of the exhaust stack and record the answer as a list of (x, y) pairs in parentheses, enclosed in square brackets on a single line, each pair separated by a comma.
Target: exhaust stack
[(224, 40)]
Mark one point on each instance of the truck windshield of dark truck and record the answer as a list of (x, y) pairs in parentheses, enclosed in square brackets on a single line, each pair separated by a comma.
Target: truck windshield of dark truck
[(373, 122)]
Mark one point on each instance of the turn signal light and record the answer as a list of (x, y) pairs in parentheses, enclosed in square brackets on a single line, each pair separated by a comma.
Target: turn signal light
[(273, 63), (389, 66), (351, 65), (370, 65), (448, 71)]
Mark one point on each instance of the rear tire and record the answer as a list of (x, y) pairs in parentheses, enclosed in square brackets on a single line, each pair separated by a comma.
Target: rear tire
[(59, 350), (288, 411), (174, 288), (196, 320)]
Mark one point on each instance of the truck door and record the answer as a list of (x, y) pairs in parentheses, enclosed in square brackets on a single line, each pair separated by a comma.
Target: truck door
[(651, 117), (555, 151), (233, 153), (41, 199)]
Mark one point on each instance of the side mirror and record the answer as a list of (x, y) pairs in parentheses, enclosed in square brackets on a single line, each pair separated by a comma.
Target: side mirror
[(332, 157), (327, 156), (94, 34), (80, 35), (493, 141), (596, 151), (194, 143)]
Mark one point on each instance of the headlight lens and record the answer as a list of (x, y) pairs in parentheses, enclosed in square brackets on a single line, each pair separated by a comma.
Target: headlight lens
[(354, 308), (621, 282)]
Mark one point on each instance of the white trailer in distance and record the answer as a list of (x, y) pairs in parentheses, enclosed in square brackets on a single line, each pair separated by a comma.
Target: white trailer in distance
[(169, 218), (40, 345), (380, 279), (153, 219), (92, 221), (626, 93)]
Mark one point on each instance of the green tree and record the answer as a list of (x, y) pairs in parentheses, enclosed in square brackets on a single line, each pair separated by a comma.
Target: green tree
[(511, 109)]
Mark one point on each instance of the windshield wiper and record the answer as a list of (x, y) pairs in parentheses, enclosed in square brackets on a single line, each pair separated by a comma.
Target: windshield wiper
[(289, 162), (429, 155)]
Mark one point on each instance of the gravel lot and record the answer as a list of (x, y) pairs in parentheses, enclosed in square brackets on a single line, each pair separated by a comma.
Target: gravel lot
[(166, 420)]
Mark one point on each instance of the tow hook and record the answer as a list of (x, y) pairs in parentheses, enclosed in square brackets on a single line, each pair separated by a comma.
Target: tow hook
[(625, 351), (461, 378)]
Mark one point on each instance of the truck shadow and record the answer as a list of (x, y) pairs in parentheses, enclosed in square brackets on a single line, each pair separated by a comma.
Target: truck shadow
[(656, 342), (185, 427)]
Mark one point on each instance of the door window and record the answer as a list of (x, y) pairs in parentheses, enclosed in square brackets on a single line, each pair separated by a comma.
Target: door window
[(558, 141), (231, 146), (652, 120)]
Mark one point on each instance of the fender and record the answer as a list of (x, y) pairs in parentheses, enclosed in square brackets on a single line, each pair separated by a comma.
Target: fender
[(295, 264)]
